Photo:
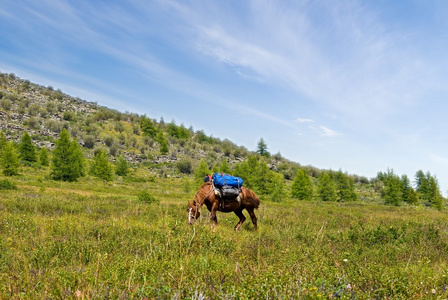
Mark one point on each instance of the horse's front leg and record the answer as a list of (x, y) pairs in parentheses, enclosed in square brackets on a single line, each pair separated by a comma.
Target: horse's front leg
[(213, 218)]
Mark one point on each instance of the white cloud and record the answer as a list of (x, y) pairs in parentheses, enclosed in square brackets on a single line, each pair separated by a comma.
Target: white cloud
[(325, 131), (302, 120)]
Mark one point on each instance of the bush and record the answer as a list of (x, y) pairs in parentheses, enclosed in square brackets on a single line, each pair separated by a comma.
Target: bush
[(147, 198), (7, 185), (184, 166)]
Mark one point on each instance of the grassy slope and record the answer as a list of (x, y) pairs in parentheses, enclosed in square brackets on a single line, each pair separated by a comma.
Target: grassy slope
[(93, 240)]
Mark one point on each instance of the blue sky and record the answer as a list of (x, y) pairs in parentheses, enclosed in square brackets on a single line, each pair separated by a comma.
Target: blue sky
[(354, 85)]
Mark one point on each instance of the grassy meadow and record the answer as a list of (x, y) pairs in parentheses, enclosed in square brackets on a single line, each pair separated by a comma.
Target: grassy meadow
[(95, 240)]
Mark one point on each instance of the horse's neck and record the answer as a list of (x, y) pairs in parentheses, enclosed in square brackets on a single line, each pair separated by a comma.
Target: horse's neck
[(202, 194)]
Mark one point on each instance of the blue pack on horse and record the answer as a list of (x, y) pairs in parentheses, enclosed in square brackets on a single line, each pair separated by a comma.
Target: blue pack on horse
[(223, 198)]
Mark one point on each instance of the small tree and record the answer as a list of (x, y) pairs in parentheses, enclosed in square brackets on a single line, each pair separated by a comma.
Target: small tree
[(101, 167), (121, 167), (278, 188), (262, 148), (162, 141), (201, 170), (9, 160), (302, 186), (44, 157), (326, 187), (27, 150), (345, 187), (148, 127), (67, 163)]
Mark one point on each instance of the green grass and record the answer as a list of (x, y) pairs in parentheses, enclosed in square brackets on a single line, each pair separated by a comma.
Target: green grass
[(90, 240)]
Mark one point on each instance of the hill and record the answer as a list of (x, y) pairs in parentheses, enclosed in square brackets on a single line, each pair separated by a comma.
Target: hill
[(170, 149)]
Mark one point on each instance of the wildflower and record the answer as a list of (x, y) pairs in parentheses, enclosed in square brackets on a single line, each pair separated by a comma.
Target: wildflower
[(349, 286), (345, 260), (433, 291)]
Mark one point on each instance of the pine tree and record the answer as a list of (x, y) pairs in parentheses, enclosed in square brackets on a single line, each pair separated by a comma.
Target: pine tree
[(393, 189), (405, 188), (162, 141), (326, 187), (345, 187), (148, 127), (434, 196), (302, 186), (262, 148), (101, 166), (27, 150), (9, 160), (67, 163), (278, 188), (121, 167), (44, 158), (244, 170), (428, 189), (201, 170), (412, 197), (262, 178)]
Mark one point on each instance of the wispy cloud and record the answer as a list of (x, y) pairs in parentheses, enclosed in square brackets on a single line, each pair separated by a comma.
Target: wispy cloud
[(302, 120), (325, 131)]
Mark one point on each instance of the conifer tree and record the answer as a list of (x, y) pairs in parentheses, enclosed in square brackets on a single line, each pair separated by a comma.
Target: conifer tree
[(302, 186), (345, 187), (244, 170), (262, 178), (434, 196), (9, 160), (101, 166), (67, 162), (27, 150), (148, 127), (392, 189), (278, 188), (162, 141), (121, 166), (262, 148), (326, 187), (44, 158), (428, 189), (201, 170), (412, 196)]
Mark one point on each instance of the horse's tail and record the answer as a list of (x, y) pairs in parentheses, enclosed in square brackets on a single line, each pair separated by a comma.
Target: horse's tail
[(250, 197)]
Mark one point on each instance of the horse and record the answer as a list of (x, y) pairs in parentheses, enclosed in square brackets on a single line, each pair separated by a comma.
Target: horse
[(247, 199)]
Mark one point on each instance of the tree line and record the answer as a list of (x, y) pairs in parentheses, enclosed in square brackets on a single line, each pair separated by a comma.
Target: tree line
[(67, 163)]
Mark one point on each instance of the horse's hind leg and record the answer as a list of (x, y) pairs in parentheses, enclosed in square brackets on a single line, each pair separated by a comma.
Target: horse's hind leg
[(239, 213), (251, 212)]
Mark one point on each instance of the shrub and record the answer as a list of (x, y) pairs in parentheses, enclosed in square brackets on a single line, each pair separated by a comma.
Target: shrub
[(7, 185), (184, 166), (6, 104), (147, 198)]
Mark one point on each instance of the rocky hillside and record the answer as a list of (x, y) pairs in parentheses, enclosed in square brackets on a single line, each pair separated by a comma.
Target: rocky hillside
[(44, 111)]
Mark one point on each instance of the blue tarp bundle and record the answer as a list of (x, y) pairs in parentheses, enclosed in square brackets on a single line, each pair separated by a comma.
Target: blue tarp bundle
[(221, 179)]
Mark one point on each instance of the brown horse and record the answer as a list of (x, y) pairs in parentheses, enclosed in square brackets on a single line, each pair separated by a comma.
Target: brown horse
[(206, 195)]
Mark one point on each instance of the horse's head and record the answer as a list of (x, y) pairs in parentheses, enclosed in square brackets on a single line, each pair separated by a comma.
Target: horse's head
[(193, 212)]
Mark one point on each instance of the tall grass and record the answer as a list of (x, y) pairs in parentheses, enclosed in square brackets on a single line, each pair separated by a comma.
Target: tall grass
[(88, 240)]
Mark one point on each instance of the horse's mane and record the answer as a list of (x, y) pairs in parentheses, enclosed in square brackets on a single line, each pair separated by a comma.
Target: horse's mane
[(201, 194)]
